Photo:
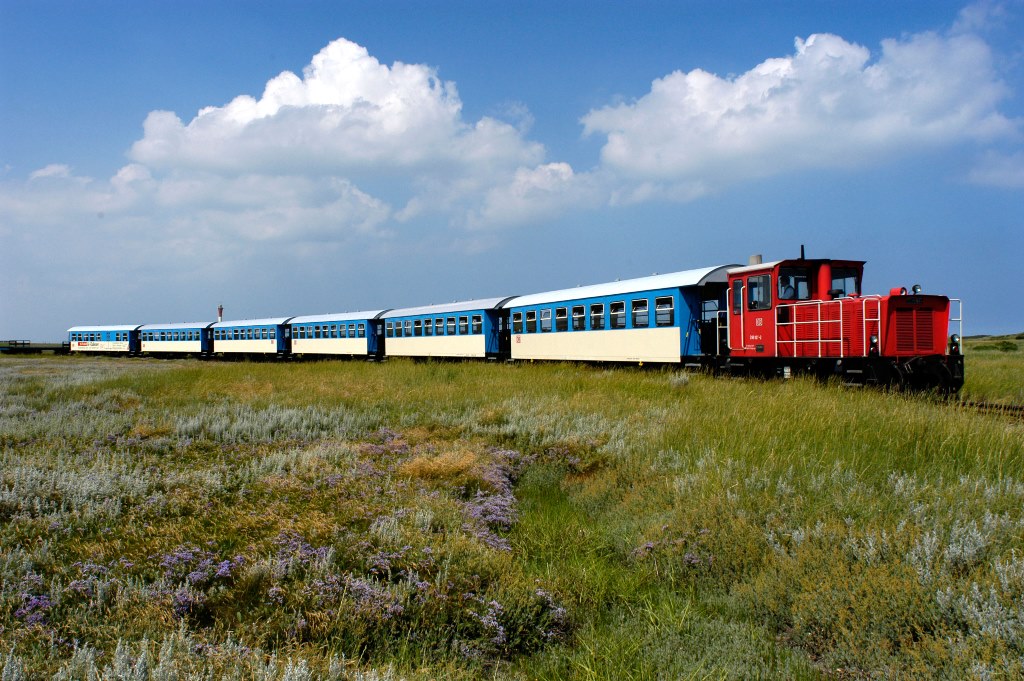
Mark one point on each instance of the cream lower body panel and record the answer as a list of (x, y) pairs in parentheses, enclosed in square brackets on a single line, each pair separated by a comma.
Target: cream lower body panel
[(266, 347), (172, 346), (330, 346), (99, 346), (621, 345), (437, 346)]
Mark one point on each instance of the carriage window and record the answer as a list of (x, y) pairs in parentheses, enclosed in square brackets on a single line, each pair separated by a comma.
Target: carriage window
[(517, 322), (579, 320), (617, 315), (845, 281), (438, 327), (163, 335), (664, 311), (273, 333), (408, 327), (417, 327), (478, 324), (794, 284), (428, 327), (389, 329), (264, 334), (561, 319), (362, 330), (351, 330), (450, 330), (640, 315), (545, 320), (597, 316), (531, 321), (759, 292), (463, 326)]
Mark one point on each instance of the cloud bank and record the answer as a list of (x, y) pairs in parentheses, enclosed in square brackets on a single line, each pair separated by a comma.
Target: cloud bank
[(827, 105)]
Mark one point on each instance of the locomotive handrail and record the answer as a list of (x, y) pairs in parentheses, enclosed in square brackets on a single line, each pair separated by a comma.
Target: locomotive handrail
[(819, 322), (959, 319)]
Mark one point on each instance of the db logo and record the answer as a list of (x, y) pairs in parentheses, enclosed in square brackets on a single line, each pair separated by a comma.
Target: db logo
[(759, 322), (519, 339)]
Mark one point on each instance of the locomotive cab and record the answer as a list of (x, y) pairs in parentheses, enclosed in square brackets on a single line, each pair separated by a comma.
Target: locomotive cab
[(788, 308)]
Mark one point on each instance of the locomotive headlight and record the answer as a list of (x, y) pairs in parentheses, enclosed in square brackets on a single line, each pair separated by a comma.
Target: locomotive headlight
[(916, 289), (954, 344), (874, 344)]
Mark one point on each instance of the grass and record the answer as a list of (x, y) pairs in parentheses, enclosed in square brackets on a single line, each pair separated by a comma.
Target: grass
[(995, 369), (350, 520)]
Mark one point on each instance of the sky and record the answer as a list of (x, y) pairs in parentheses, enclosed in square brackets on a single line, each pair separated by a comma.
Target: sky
[(291, 158)]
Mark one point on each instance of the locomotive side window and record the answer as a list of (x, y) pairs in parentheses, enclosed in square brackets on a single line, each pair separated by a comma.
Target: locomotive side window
[(617, 315), (759, 292), (517, 322), (794, 284), (737, 296), (664, 311), (579, 320), (640, 315), (845, 281), (597, 317)]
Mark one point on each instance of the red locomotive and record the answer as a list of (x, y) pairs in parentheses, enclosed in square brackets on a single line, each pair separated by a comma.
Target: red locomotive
[(806, 315)]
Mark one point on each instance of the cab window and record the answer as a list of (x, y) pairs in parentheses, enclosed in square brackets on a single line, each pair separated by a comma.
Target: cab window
[(759, 294), (794, 284), (845, 282)]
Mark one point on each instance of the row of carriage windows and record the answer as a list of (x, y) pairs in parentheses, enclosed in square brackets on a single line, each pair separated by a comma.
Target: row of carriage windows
[(439, 326), (187, 335), (562, 318), (330, 331), (265, 333), (96, 336)]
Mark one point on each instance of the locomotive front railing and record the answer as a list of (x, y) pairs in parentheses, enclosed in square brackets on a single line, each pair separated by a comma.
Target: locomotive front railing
[(823, 331)]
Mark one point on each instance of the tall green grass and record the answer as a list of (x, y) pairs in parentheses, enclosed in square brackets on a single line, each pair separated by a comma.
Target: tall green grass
[(661, 526)]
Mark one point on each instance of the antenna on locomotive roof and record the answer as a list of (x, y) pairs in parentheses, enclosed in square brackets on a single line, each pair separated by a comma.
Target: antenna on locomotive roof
[(801, 251)]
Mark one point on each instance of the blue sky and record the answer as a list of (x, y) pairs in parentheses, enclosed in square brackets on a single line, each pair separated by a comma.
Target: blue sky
[(159, 158)]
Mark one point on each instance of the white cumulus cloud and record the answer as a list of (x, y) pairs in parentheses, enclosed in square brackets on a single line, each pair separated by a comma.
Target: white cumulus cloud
[(346, 114), (827, 105)]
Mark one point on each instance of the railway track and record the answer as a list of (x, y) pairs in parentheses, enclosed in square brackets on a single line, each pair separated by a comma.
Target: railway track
[(1012, 410)]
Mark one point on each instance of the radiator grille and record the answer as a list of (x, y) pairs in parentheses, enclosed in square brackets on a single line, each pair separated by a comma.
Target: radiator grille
[(914, 330)]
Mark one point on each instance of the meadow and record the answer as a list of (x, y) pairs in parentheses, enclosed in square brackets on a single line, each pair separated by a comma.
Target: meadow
[(347, 520)]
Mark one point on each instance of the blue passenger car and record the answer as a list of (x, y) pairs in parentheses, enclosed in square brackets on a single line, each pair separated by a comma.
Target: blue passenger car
[(118, 338), (660, 318), (252, 336), (357, 334), (188, 338), (475, 328)]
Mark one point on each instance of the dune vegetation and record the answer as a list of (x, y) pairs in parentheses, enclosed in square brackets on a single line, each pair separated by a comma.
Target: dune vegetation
[(350, 520)]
